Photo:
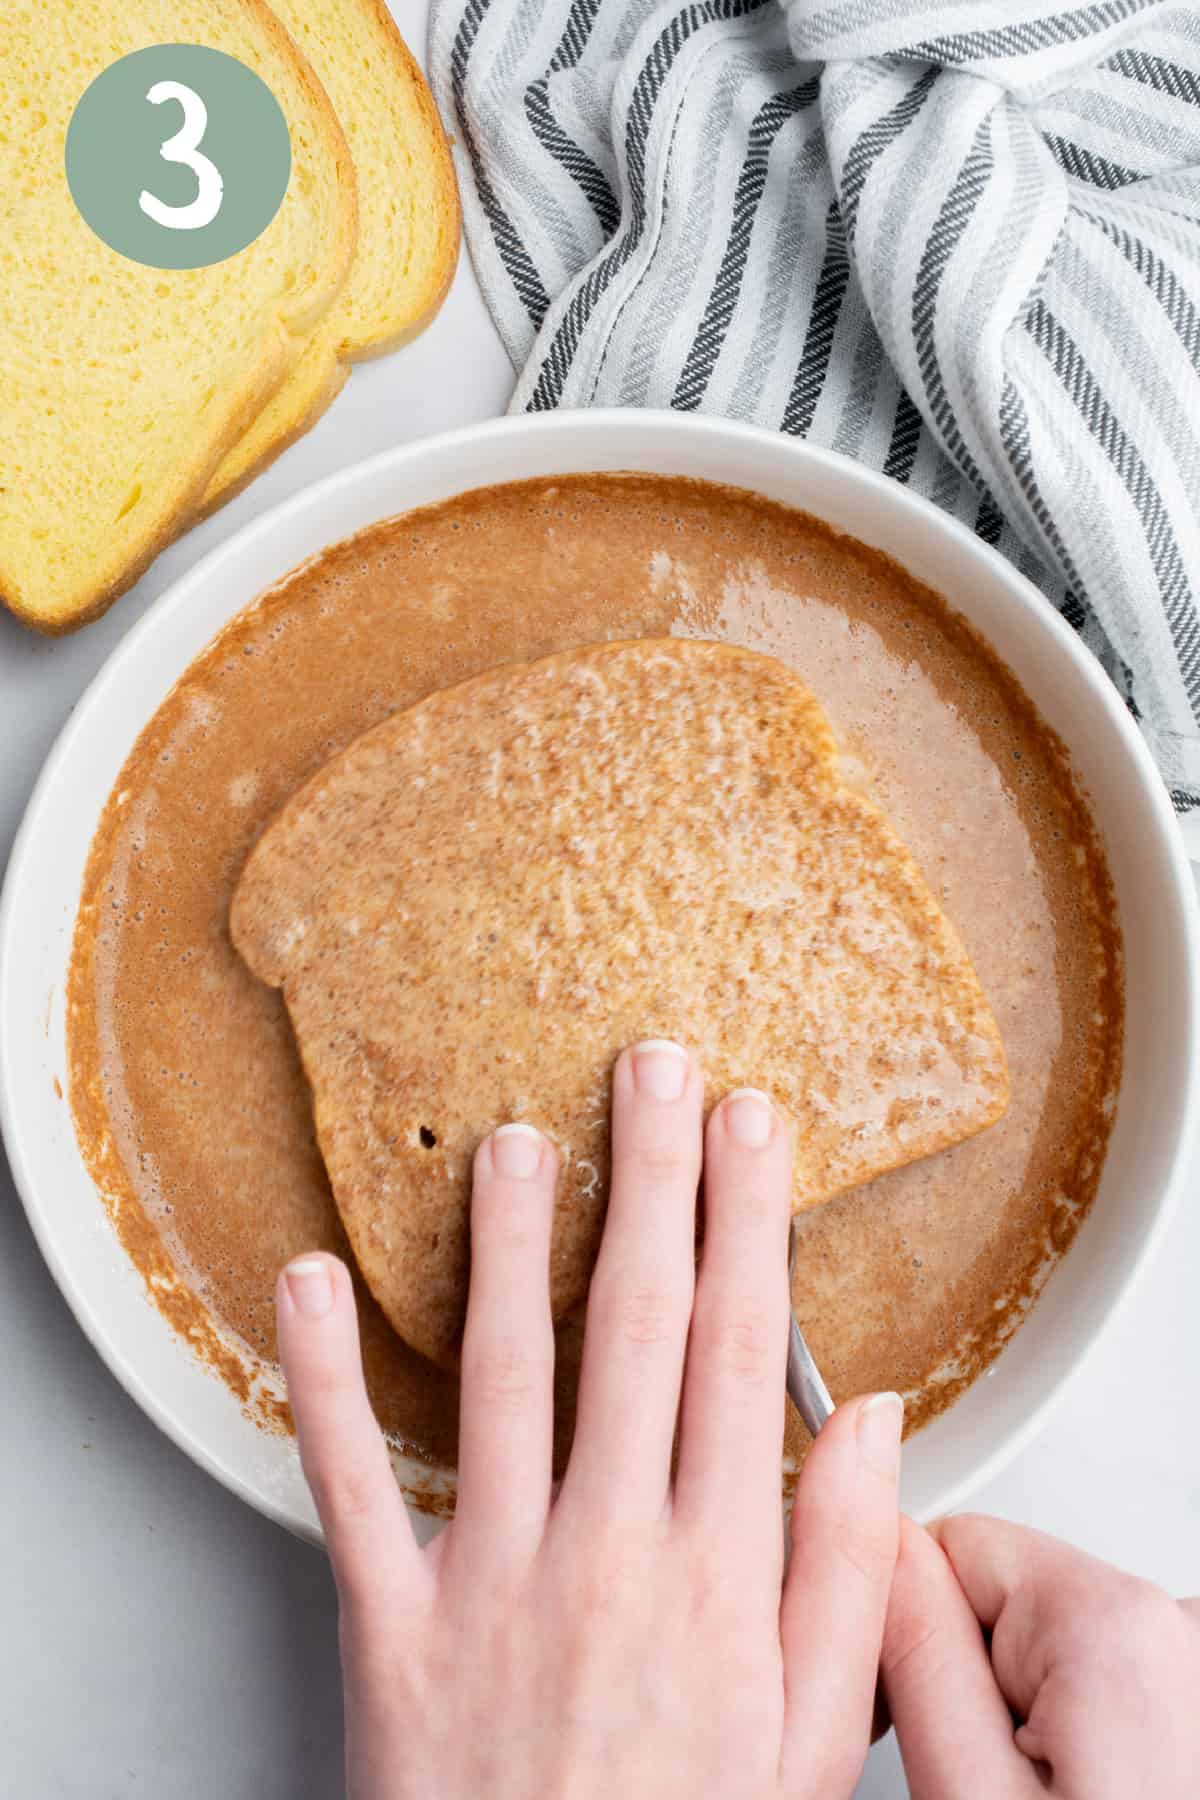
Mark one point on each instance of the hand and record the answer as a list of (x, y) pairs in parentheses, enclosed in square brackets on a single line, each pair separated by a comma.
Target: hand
[(1101, 1671), (632, 1635)]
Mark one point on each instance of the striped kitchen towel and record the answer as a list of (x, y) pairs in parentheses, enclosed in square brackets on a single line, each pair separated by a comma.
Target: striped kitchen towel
[(957, 239)]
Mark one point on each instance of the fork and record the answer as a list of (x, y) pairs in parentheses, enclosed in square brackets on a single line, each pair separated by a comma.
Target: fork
[(807, 1391)]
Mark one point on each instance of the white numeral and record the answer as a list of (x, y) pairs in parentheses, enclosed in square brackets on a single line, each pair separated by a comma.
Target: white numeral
[(183, 148)]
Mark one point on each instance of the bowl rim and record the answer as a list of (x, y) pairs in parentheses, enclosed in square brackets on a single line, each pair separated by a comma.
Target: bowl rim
[(173, 602)]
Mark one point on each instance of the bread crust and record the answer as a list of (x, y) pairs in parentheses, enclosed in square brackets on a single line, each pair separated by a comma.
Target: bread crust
[(339, 340)]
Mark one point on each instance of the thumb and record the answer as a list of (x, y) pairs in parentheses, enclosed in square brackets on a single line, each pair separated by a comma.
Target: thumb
[(954, 1728)]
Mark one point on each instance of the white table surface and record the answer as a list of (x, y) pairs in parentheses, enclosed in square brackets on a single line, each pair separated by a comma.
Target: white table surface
[(159, 1639)]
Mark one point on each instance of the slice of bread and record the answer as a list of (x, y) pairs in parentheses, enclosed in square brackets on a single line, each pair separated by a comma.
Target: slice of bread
[(123, 385), (407, 211), (479, 902)]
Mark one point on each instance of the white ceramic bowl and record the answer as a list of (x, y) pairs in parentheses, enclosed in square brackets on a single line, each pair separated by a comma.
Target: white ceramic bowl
[(1162, 1069)]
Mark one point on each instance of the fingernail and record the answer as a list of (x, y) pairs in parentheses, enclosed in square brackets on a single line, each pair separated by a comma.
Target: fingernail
[(880, 1423), (516, 1151), (310, 1287), (660, 1069), (748, 1118)]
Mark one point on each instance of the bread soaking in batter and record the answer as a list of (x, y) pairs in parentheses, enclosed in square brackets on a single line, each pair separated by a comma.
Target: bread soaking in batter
[(189, 1098)]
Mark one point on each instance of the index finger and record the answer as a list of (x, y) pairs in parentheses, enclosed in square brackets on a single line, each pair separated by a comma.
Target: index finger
[(1019, 1583), (845, 1529), (952, 1723), (994, 1560)]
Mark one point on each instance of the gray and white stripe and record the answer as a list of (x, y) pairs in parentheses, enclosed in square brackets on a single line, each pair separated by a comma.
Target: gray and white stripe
[(958, 239)]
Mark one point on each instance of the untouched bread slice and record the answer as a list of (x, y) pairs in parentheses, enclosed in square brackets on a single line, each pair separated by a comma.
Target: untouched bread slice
[(124, 385), (408, 219), (478, 903)]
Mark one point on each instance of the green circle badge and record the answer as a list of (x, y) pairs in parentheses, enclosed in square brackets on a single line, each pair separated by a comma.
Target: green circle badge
[(178, 156)]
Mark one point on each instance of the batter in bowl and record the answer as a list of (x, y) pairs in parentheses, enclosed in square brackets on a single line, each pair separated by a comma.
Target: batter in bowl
[(187, 1090)]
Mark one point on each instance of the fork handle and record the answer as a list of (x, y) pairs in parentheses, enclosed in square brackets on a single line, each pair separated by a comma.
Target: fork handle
[(805, 1387)]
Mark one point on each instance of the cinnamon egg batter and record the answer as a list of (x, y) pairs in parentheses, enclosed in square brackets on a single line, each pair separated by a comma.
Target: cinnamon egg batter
[(188, 1095)]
